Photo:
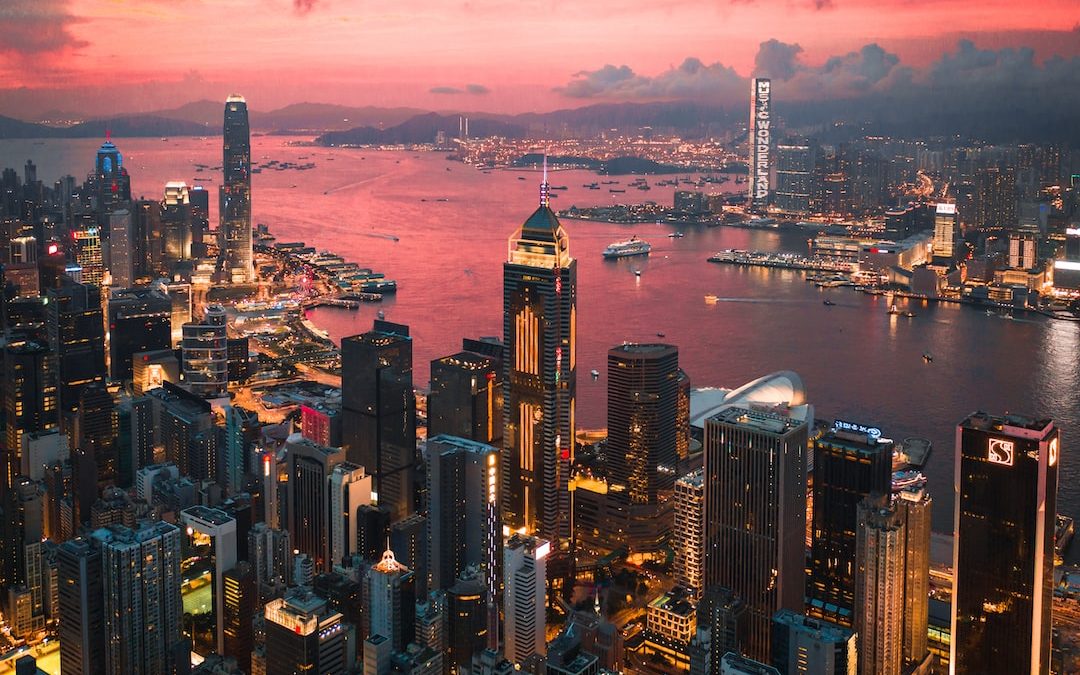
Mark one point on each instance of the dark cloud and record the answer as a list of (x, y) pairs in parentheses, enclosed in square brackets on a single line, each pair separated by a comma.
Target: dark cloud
[(34, 27), (778, 60), (991, 93), (692, 80), (304, 6), (474, 89), (871, 70)]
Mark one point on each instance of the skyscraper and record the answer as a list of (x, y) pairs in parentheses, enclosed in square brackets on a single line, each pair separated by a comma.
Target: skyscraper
[(460, 533), (77, 337), (760, 138), (915, 505), (206, 363), (30, 399), (379, 412), (539, 366), (304, 635), (892, 581), (391, 601), (995, 197), (141, 590), (86, 242), (241, 600), (139, 321), (111, 180), (794, 176), (879, 589), (524, 598), (801, 645), (121, 248), (1003, 552), (235, 196), (849, 465), (755, 500), (720, 630), (689, 540), (945, 232), (310, 466), (466, 396), (643, 392), (176, 223), (82, 620), (211, 538), (97, 428), (349, 489)]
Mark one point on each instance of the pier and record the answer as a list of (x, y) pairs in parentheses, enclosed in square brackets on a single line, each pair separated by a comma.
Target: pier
[(786, 261)]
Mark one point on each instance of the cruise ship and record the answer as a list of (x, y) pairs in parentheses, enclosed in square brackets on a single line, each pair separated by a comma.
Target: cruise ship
[(623, 249)]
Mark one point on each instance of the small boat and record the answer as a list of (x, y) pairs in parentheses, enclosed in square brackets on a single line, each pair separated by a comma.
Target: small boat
[(894, 310), (521, 177), (595, 374), (711, 299), (659, 335), (828, 303), (910, 315), (676, 235), (381, 314), (637, 273), (928, 357)]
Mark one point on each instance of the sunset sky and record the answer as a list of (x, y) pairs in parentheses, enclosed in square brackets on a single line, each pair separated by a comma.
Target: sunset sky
[(114, 56)]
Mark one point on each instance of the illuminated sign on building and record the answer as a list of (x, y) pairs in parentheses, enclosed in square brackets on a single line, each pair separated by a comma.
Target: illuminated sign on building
[(1052, 454), (873, 432), (760, 141), (1000, 451)]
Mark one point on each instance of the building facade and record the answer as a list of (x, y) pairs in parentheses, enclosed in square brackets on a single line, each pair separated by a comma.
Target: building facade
[(235, 194), (1003, 553), (540, 375)]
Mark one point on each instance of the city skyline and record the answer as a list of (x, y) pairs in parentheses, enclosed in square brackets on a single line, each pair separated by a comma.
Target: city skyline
[(223, 446), (72, 42)]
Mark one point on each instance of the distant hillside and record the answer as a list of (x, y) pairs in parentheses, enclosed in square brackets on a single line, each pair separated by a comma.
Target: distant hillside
[(298, 116), (327, 117), (419, 129), (13, 128), (137, 126), (616, 166), (134, 126), (691, 119)]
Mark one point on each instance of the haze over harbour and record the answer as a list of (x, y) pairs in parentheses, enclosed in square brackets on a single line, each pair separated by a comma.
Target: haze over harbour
[(858, 363)]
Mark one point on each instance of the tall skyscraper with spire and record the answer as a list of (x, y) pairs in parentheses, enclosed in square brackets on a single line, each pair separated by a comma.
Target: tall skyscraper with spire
[(539, 366), (235, 195)]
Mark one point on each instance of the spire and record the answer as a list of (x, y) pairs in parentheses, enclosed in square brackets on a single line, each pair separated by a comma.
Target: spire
[(108, 135), (544, 184)]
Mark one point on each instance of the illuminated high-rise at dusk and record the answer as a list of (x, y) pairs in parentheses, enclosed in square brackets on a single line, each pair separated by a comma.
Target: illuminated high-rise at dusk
[(540, 366), (1003, 551), (235, 194)]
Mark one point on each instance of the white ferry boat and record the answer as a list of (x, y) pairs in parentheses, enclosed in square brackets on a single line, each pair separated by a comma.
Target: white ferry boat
[(630, 247)]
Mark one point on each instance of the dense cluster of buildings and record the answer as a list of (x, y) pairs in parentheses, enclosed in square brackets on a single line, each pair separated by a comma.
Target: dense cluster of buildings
[(154, 526)]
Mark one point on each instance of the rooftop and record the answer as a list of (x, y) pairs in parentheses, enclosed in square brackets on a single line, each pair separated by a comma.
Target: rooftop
[(782, 390), (820, 630), (757, 420), (447, 442), (1003, 423), (206, 515)]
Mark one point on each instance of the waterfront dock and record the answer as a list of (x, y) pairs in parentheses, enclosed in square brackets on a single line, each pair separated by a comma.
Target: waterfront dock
[(787, 261)]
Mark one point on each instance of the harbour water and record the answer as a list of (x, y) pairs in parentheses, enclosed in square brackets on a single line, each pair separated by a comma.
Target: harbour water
[(452, 223)]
